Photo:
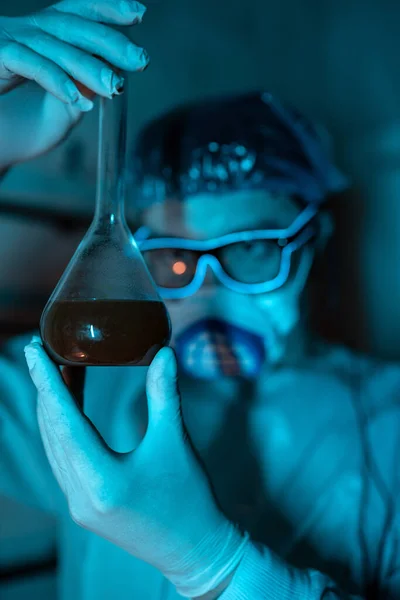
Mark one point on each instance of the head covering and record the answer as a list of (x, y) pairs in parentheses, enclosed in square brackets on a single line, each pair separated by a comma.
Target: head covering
[(250, 141)]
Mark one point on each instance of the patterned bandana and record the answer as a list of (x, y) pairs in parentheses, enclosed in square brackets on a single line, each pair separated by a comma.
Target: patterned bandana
[(249, 142)]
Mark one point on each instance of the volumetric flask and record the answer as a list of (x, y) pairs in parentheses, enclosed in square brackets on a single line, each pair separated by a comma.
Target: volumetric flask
[(105, 310)]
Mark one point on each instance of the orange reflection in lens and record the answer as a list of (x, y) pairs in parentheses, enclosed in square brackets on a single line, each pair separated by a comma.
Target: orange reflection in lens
[(179, 268)]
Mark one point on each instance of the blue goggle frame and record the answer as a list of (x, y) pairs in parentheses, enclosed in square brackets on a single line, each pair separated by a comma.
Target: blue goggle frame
[(299, 226)]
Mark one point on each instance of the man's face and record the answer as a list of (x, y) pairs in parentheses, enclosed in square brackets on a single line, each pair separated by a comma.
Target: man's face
[(270, 317)]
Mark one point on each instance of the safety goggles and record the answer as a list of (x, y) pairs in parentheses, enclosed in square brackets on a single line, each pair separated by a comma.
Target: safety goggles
[(248, 262)]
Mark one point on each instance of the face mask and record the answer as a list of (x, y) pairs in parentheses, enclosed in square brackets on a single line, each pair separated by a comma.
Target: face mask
[(211, 346), (219, 333)]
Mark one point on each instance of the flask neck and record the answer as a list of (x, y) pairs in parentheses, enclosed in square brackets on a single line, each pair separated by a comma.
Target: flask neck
[(111, 163)]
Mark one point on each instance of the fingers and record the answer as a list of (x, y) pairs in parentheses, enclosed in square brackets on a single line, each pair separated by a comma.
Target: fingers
[(70, 433), (71, 51), (116, 12), (163, 394), (18, 60), (79, 65), (94, 38)]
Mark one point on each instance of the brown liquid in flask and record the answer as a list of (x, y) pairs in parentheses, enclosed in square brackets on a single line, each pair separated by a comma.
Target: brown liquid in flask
[(105, 310), (105, 332)]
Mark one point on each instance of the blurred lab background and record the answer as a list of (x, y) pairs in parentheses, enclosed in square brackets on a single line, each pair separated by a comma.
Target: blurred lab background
[(336, 60)]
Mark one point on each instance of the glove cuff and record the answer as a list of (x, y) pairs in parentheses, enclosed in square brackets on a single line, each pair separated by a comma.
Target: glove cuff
[(210, 562)]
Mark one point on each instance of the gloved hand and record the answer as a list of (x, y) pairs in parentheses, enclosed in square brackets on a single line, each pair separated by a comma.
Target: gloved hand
[(70, 51), (155, 502)]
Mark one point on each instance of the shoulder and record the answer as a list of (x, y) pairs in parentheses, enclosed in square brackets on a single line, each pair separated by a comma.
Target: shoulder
[(371, 393), (335, 384), (367, 374)]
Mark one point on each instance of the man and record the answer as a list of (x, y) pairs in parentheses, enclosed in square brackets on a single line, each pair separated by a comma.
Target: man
[(262, 463)]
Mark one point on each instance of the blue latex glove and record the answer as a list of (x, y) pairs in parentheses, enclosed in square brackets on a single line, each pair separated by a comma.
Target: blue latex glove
[(69, 52), (154, 502)]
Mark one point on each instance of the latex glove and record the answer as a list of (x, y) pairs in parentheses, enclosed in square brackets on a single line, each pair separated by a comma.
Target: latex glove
[(62, 49), (155, 502)]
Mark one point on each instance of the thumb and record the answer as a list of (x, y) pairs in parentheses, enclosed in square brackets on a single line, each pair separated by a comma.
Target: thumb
[(163, 396)]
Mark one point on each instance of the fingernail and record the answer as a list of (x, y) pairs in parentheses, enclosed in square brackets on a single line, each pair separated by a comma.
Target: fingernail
[(72, 91), (36, 340), (31, 355), (128, 7), (84, 104), (111, 80), (117, 85), (144, 58), (170, 367), (140, 10), (141, 69)]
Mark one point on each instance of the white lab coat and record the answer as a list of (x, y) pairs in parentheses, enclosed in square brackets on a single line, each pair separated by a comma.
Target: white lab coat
[(293, 460)]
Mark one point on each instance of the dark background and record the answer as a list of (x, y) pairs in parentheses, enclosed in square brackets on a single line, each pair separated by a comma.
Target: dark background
[(338, 61)]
